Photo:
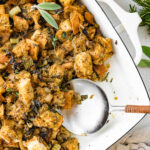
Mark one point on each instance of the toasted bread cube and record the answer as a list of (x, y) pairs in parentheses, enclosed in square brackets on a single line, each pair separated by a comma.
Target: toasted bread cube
[(63, 135), (71, 144), (97, 54), (2, 111), (66, 26), (36, 144), (2, 9), (20, 24), (4, 22), (89, 17), (56, 73), (36, 16), (33, 49), (83, 65), (48, 119), (76, 20), (18, 110), (5, 35), (59, 99), (21, 49), (1, 81), (42, 38), (23, 75), (59, 36), (69, 99), (79, 43), (26, 93), (44, 95), (7, 132)]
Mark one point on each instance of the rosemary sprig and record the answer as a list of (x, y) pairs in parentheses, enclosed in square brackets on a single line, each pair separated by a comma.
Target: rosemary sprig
[(47, 6), (144, 12)]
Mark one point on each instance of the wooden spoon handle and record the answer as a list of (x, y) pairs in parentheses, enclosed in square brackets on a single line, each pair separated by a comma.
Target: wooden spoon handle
[(137, 109)]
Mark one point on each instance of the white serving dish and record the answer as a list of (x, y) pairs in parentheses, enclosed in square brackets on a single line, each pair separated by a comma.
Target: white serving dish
[(127, 85)]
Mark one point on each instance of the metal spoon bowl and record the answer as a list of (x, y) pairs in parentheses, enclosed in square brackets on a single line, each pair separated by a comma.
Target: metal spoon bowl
[(92, 114)]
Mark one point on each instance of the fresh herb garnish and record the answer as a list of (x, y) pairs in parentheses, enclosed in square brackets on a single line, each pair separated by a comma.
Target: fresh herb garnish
[(144, 12), (47, 6), (49, 18), (146, 50), (144, 63), (132, 9)]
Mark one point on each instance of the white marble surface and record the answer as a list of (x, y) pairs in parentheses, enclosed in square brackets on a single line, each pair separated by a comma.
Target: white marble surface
[(145, 72)]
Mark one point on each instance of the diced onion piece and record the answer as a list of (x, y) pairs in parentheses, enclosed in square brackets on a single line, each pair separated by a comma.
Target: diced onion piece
[(14, 40), (14, 11)]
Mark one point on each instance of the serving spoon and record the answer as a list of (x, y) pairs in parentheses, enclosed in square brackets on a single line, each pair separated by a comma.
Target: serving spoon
[(93, 113)]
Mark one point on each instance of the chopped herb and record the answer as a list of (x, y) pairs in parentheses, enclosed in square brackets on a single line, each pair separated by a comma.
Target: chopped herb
[(64, 35), (111, 80), (85, 31), (9, 90), (17, 94), (84, 97), (132, 9), (16, 71), (144, 12), (54, 41), (105, 78)]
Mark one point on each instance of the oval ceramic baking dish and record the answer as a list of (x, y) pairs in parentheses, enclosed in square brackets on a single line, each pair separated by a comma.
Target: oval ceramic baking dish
[(127, 86)]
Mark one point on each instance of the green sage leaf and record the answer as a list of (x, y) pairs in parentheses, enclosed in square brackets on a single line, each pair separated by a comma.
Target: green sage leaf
[(144, 63), (49, 6), (49, 18), (146, 50)]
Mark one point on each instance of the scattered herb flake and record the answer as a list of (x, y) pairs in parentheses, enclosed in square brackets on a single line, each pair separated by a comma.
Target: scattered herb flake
[(111, 80), (9, 90), (84, 97), (64, 35), (91, 96), (17, 94), (105, 78), (132, 9), (54, 41)]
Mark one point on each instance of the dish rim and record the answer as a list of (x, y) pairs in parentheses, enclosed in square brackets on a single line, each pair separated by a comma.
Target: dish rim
[(135, 67)]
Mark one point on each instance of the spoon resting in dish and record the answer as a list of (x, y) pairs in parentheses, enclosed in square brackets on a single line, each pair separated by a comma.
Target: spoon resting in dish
[(92, 114)]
